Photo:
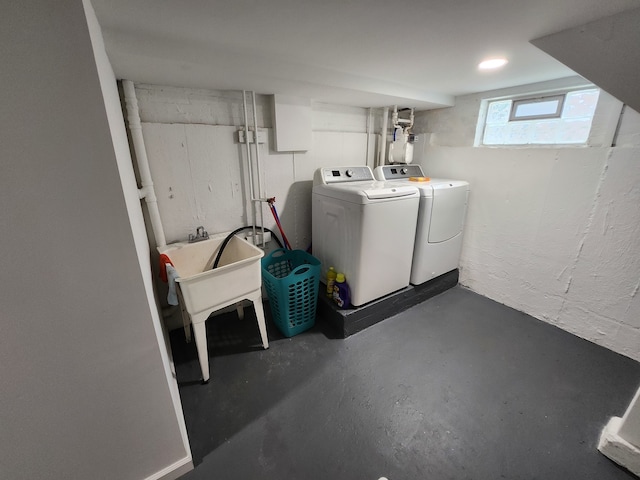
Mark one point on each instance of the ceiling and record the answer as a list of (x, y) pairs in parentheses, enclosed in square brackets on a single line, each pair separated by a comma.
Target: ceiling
[(368, 53)]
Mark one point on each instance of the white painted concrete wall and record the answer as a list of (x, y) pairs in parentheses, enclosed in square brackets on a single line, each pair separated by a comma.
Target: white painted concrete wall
[(552, 232), (200, 170), (629, 132), (84, 389)]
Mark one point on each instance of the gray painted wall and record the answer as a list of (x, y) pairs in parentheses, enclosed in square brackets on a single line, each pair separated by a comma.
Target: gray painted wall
[(84, 388)]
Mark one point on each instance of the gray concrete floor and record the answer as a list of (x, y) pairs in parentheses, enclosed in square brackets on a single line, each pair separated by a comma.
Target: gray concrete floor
[(458, 387)]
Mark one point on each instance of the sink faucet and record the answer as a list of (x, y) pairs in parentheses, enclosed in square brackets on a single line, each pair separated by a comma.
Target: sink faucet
[(201, 234)]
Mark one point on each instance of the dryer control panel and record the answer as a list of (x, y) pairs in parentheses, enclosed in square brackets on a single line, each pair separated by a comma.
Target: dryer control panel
[(327, 175)]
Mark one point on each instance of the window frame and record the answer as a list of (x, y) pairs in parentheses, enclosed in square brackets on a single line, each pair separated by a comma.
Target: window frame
[(515, 103)]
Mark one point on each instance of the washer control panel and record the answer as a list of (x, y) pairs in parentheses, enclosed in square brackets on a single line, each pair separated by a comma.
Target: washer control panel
[(391, 172), (328, 175)]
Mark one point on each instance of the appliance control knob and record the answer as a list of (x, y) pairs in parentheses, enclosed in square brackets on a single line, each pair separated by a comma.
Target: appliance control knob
[(349, 173), (403, 171)]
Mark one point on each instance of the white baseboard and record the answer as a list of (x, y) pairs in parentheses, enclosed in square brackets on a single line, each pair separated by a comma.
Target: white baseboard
[(615, 447), (174, 471)]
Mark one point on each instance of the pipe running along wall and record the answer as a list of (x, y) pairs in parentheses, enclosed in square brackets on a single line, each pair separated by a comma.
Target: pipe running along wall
[(255, 200), (383, 142), (147, 191)]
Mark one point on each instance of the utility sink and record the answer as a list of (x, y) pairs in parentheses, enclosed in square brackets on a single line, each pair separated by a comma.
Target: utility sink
[(203, 290)]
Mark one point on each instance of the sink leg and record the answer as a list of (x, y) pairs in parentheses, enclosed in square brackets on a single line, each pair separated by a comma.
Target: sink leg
[(240, 310), (186, 319), (187, 332), (200, 334), (256, 298)]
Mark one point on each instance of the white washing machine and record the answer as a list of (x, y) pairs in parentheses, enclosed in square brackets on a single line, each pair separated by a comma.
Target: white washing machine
[(443, 207), (365, 229)]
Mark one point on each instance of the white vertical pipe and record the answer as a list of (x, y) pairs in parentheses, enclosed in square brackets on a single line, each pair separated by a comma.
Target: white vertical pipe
[(383, 146), (368, 136), (249, 164), (147, 191), (394, 117), (261, 195)]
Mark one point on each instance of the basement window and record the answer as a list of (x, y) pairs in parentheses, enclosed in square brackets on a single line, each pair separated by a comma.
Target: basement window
[(536, 108), (558, 119)]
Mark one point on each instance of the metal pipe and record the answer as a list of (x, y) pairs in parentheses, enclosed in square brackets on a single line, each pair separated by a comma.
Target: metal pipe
[(147, 191), (396, 121)]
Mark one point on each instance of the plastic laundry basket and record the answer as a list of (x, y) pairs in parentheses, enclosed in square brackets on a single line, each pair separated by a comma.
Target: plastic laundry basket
[(291, 278)]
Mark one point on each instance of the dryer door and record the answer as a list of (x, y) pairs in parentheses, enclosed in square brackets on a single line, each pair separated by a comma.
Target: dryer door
[(448, 211)]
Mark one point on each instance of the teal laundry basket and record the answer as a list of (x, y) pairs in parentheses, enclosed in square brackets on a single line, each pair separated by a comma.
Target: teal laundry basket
[(291, 279)]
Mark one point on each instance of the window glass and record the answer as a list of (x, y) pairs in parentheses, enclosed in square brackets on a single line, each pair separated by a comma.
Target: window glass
[(539, 121), (543, 108), (498, 113), (580, 104)]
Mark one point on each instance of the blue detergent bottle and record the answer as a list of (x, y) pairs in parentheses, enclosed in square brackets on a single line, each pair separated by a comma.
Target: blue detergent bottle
[(341, 292)]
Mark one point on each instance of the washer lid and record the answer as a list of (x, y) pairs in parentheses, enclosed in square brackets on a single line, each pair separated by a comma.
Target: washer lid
[(390, 191), (366, 192)]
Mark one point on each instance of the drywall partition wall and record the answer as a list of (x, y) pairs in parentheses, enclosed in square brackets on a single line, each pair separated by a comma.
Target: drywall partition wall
[(85, 393), (200, 169), (172, 467), (606, 51), (550, 231)]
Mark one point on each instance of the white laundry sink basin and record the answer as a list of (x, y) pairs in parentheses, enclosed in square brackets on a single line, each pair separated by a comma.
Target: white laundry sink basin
[(203, 290), (237, 274)]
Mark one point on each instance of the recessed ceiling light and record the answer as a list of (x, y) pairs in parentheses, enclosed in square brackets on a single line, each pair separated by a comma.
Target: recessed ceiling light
[(493, 63)]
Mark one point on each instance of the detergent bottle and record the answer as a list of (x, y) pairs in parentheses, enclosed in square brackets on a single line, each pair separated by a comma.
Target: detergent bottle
[(331, 278), (341, 292)]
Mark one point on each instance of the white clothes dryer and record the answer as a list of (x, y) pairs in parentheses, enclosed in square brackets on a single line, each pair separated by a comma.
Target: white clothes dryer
[(365, 229), (443, 208)]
